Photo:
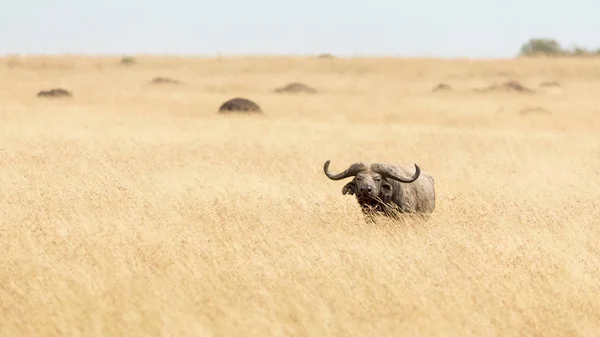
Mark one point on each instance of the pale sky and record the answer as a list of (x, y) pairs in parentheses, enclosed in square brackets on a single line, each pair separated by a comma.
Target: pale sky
[(437, 28)]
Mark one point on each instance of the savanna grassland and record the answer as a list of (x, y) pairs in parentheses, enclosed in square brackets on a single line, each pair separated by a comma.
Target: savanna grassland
[(135, 209)]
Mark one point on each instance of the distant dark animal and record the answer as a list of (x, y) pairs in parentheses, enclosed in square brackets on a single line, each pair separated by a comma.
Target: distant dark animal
[(241, 105), (325, 56), (56, 92), (296, 87), (164, 80), (387, 189), (534, 110), (508, 86), (549, 84), (442, 87)]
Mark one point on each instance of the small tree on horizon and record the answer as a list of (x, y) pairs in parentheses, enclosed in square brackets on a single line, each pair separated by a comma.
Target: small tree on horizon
[(541, 46), (127, 60)]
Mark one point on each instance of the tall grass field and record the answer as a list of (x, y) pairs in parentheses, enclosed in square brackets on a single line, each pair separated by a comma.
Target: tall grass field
[(135, 208)]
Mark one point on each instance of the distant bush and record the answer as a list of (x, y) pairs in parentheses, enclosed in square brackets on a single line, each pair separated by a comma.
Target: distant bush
[(551, 47), (127, 60), (547, 47)]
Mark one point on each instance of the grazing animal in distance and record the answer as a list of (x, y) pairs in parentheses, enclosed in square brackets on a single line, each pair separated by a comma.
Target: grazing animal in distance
[(239, 104), (388, 189), (164, 80), (55, 92), (295, 88)]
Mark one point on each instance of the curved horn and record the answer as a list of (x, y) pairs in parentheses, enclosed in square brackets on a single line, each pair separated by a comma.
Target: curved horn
[(393, 172), (350, 171)]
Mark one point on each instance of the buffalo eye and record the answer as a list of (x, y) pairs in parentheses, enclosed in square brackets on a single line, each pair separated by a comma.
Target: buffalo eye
[(359, 178), (377, 179)]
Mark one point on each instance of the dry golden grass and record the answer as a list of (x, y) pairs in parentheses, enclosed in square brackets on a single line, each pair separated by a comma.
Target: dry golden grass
[(134, 209)]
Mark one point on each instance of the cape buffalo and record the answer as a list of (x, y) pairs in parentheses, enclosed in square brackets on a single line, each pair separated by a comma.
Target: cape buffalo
[(388, 189)]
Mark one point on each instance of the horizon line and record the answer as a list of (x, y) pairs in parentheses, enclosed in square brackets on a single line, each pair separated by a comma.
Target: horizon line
[(252, 55)]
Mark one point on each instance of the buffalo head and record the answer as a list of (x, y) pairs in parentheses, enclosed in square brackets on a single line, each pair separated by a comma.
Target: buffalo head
[(371, 185)]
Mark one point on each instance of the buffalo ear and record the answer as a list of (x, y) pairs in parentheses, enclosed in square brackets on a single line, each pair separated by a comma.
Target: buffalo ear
[(386, 192), (349, 188)]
